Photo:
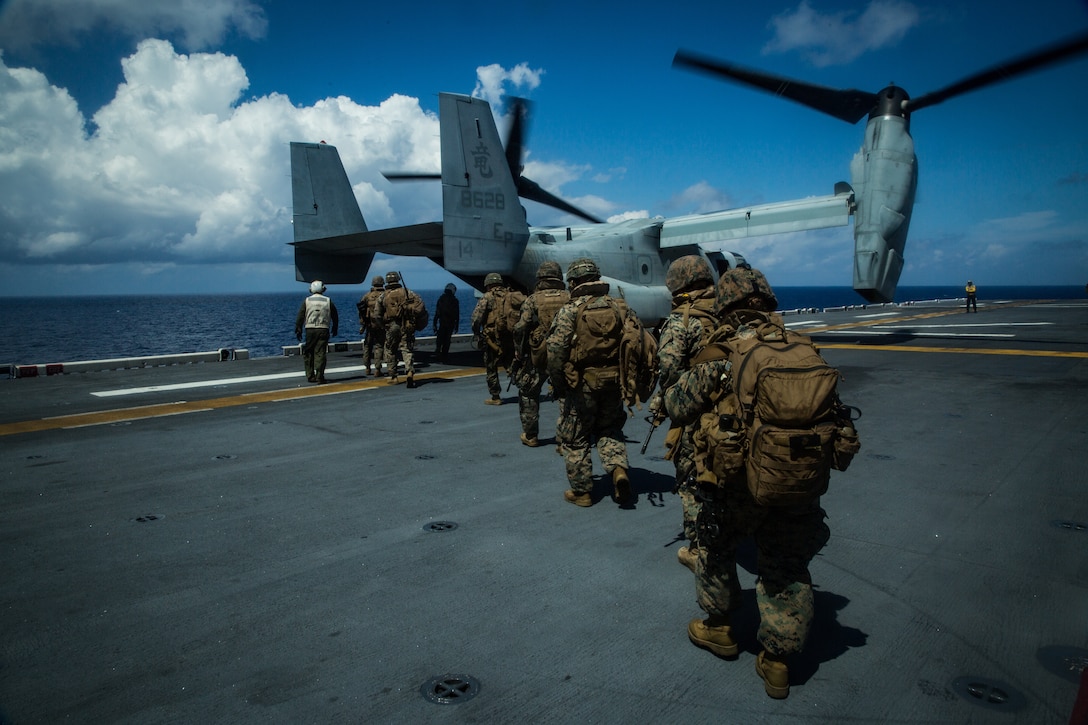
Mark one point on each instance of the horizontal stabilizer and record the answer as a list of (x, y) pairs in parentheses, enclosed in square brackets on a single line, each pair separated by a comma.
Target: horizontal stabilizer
[(788, 216), (346, 259)]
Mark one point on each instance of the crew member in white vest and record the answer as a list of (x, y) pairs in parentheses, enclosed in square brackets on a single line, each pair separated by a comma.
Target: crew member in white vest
[(318, 315)]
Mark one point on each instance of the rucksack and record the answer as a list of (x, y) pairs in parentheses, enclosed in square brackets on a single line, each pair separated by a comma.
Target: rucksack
[(612, 350), (548, 302), (404, 306), (417, 311), (781, 427), (507, 311), (370, 309), (638, 363)]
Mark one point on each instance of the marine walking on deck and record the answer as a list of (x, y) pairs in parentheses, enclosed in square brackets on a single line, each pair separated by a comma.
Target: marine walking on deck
[(690, 281), (530, 335), (370, 326), (400, 312), (583, 361), (761, 464), (493, 322)]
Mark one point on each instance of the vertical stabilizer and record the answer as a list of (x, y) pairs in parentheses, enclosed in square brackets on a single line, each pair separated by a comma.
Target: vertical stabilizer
[(326, 217), (324, 204), (484, 223)]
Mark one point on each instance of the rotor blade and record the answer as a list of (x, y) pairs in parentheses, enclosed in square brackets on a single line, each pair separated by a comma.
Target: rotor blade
[(1006, 71), (850, 105), (529, 189), (409, 176), (519, 107)]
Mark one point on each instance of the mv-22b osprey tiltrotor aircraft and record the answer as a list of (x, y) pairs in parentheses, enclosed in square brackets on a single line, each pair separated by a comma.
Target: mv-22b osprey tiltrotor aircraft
[(484, 227)]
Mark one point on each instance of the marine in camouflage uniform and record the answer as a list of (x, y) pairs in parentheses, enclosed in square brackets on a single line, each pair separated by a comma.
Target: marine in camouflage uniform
[(400, 333), (787, 538), (532, 327), (683, 334), (371, 328), (497, 346), (589, 411)]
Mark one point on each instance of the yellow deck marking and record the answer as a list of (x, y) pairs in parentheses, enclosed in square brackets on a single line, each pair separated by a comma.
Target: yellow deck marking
[(103, 417)]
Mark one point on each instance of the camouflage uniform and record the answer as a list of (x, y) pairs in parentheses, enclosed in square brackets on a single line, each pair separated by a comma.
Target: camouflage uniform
[(400, 333), (447, 318), (787, 538), (683, 334), (586, 414), (369, 325), (498, 344), (537, 313)]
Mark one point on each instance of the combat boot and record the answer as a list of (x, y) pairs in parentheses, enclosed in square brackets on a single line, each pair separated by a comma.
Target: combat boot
[(392, 380), (527, 441), (621, 484), (774, 673), (411, 381), (689, 557), (715, 634), (578, 499), (493, 400)]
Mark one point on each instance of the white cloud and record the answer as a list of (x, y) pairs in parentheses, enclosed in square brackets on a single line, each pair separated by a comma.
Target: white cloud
[(178, 170), (838, 38), (197, 24), (698, 199), (492, 81)]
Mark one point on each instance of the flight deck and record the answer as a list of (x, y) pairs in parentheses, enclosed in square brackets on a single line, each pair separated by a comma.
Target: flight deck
[(224, 542)]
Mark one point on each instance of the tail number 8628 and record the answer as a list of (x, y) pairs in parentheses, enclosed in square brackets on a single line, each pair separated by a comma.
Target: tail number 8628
[(483, 199)]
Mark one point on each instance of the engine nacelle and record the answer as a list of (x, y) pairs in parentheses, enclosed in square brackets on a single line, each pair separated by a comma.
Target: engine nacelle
[(884, 175)]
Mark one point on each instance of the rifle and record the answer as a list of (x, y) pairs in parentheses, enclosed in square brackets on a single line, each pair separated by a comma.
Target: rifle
[(512, 373), (654, 419)]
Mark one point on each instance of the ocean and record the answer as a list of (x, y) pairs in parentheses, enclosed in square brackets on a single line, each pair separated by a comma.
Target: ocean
[(42, 330)]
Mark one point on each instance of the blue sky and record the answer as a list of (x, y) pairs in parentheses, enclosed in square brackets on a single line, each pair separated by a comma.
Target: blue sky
[(144, 145)]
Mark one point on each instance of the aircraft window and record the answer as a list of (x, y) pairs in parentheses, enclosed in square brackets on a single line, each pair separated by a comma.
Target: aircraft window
[(645, 269)]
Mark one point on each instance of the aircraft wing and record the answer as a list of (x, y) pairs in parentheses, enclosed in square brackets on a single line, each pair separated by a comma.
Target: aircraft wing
[(815, 212)]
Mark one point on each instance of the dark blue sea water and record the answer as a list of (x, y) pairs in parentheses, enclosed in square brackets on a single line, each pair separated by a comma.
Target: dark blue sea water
[(66, 329)]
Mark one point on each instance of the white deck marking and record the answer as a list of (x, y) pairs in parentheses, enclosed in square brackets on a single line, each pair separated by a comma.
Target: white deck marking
[(214, 383)]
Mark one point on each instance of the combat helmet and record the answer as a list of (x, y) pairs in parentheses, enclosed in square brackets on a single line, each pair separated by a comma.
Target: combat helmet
[(740, 287), (378, 281), (317, 287), (690, 272), (451, 288), (583, 267), (392, 277), (549, 270), (492, 278)]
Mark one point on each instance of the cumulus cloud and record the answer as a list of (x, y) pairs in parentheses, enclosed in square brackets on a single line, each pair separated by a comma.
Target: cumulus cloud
[(492, 81), (177, 169), (840, 37), (198, 24)]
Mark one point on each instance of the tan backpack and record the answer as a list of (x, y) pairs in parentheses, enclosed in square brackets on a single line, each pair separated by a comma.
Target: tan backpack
[(613, 351), (548, 302), (780, 427)]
